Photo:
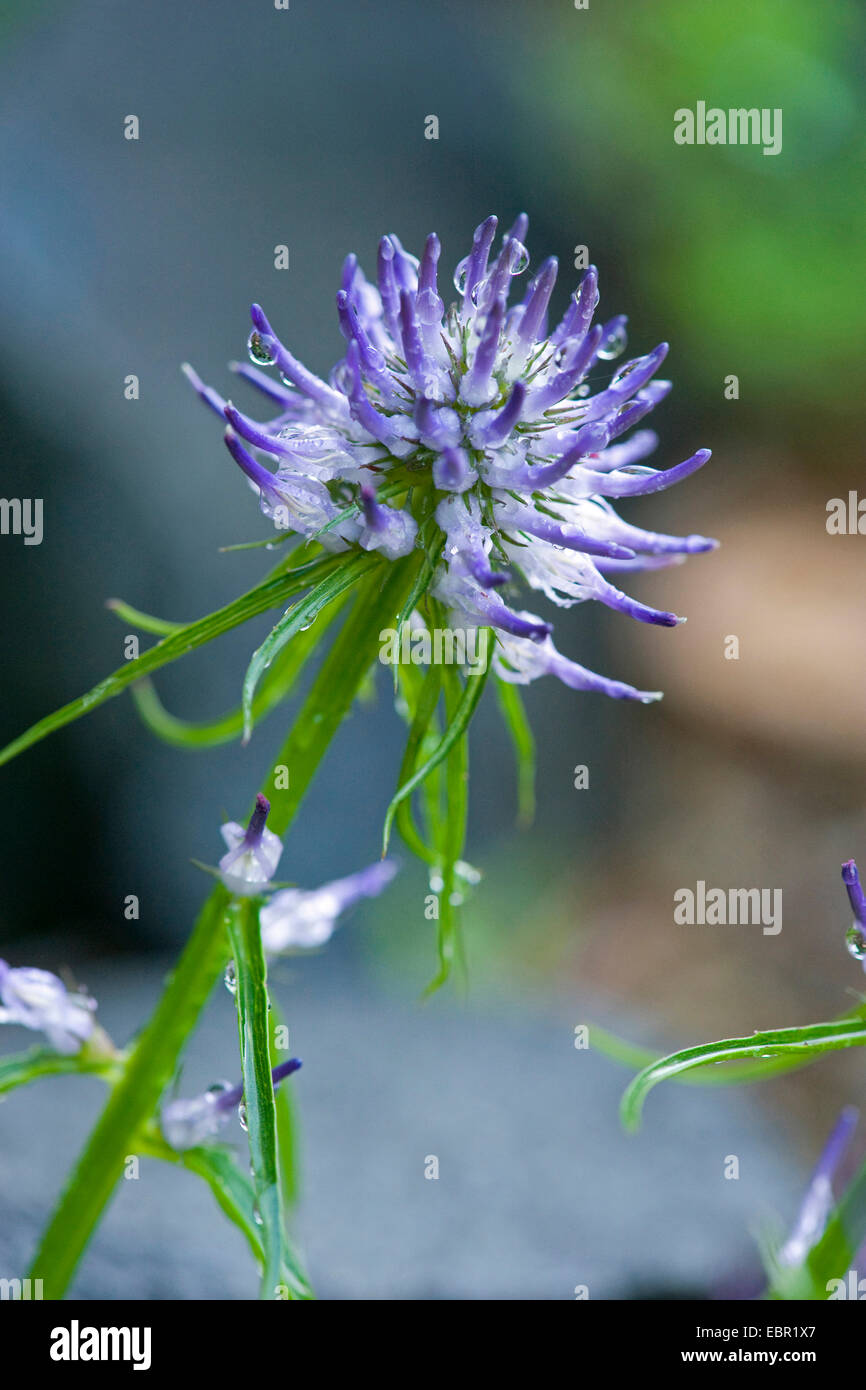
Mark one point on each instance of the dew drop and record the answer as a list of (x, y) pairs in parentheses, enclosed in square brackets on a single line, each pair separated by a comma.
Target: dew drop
[(242, 1115), (520, 258), (261, 350), (460, 275), (614, 344), (257, 1217), (583, 390), (477, 292), (342, 378), (856, 942), (230, 978), (429, 307)]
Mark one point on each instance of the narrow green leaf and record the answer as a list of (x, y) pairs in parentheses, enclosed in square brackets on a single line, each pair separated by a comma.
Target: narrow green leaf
[(523, 741), (457, 726), (25, 1067), (269, 594), (235, 1195), (424, 709), (333, 692), (260, 1108), (433, 542), (302, 615), (805, 1044), (450, 840), (145, 622), (730, 1074), (191, 735), (287, 1126)]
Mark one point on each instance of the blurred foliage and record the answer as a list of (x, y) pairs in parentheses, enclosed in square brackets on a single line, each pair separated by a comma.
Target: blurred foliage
[(751, 262)]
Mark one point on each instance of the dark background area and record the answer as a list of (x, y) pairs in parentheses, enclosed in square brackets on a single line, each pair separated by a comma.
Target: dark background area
[(306, 128)]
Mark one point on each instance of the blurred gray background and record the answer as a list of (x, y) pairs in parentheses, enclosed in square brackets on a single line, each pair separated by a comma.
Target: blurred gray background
[(306, 128)]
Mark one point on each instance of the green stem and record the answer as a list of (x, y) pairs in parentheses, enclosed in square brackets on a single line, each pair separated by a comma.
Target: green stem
[(154, 1058), (148, 1071)]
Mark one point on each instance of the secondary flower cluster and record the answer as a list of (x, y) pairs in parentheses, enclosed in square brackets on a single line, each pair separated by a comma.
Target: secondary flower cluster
[(478, 418)]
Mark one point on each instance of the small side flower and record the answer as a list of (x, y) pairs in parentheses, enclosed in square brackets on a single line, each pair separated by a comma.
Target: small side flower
[(188, 1123), (298, 919), (39, 1000), (253, 854)]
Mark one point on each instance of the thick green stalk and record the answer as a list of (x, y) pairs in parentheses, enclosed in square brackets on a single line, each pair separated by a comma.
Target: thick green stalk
[(154, 1058)]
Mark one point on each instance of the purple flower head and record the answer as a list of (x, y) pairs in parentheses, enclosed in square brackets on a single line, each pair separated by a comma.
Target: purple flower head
[(297, 919), (818, 1202), (856, 936), (507, 432), (253, 854), (187, 1123), (39, 1000)]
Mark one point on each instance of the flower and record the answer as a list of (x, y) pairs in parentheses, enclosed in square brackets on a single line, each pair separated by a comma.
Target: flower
[(39, 1000), (186, 1123), (298, 919), (293, 917), (818, 1202), (253, 853), (477, 419), (856, 936)]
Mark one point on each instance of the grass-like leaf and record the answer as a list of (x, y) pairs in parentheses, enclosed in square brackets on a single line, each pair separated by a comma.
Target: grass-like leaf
[(194, 735), (24, 1067), (270, 593), (259, 1104), (796, 1045), (523, 741), (454, 730), (298, 617), (235, 1195)]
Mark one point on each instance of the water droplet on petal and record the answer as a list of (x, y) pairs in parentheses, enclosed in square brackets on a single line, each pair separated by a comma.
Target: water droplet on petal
[(583, 390), (614, 344), (477, 291), (429, 307), (856, 942), (460, 275), (520, 258), (230, 978), (261, 350), (342, 378)]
